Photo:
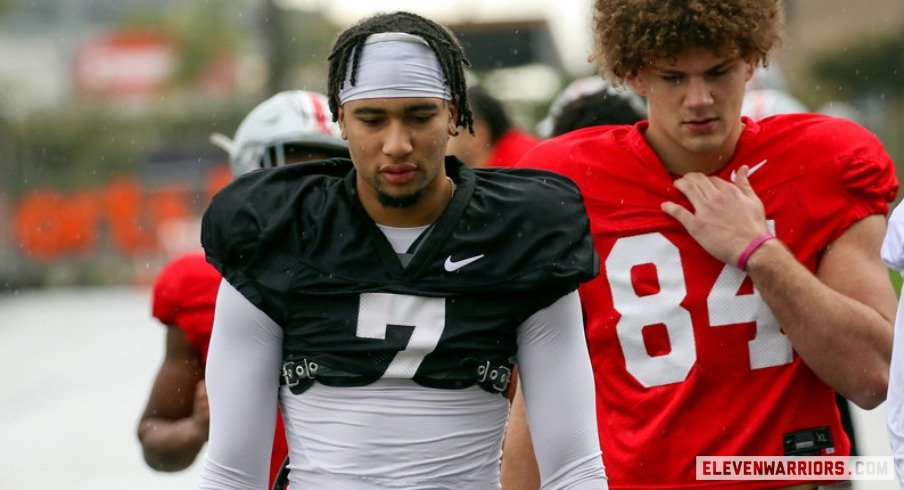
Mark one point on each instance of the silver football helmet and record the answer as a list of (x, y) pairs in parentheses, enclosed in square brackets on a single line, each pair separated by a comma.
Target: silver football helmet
[(293, 117)]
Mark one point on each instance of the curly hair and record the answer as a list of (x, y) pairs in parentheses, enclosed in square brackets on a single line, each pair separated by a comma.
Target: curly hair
[(444, 44), (631, 34)]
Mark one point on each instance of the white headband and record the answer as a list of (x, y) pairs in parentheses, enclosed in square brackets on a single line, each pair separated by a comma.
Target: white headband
[(393, 65)]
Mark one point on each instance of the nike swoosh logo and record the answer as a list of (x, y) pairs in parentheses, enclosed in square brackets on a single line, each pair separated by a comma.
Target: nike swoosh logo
[(750, 171), (454, 265)]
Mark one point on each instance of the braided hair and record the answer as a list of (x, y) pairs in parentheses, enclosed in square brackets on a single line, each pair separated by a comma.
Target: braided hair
[(443, 43)]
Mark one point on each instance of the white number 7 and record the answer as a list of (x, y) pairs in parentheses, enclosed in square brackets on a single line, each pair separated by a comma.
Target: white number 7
[(427, 315)]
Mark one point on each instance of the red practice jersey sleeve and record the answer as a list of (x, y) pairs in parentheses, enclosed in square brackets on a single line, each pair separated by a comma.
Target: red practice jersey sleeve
[(185, 294)]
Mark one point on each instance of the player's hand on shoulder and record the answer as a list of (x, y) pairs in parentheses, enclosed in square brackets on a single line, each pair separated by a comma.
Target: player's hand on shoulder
[(724, 217)]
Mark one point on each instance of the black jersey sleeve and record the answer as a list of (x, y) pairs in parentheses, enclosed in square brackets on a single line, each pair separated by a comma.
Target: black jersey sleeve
[(540, 238), (249, 219), (302, 228)]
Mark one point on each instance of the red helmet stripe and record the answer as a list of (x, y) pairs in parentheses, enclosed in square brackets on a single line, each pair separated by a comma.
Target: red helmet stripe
[(320, 114)]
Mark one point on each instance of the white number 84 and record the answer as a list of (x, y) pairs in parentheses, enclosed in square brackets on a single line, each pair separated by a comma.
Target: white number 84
[(770, 347)]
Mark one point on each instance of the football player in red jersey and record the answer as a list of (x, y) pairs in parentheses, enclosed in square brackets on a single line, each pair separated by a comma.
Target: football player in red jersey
[(741, 284), (496, 140), (290, 127)]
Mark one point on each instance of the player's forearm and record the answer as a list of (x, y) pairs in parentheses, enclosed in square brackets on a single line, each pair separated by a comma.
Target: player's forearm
[(519, 465), (170, 445), (845, 342)]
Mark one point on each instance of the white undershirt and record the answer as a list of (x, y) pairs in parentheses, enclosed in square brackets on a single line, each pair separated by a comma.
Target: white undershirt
[(394, 433), (401, 238)]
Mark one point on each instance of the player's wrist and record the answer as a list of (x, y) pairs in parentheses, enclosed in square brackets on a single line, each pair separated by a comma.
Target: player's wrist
[(752, 248)]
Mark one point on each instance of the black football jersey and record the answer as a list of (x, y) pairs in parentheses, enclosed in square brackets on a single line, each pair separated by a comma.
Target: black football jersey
[(298, 244)]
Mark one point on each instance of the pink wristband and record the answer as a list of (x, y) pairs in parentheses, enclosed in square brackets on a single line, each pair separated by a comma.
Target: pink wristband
[(754, 244)]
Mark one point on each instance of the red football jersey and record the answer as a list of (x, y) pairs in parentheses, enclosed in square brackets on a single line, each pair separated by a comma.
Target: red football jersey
[(185, 295), (688, 359), (510, 148)]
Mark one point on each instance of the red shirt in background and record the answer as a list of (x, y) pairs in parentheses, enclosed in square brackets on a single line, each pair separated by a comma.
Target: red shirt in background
[(510, 148), (185, 294)]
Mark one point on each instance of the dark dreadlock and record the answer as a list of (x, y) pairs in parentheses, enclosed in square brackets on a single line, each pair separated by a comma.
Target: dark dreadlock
[(443, 43)]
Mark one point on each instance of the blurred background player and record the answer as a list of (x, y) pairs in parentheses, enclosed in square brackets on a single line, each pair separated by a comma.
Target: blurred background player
[(589, 85), (496, 141), (290, 127), (596, 109)]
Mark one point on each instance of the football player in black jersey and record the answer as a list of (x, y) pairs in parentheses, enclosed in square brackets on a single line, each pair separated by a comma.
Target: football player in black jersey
[(383, 300)]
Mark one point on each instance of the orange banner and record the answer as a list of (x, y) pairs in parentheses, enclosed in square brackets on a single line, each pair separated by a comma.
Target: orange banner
[(123, 215)]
